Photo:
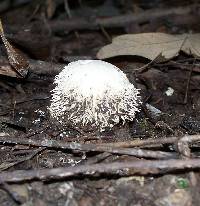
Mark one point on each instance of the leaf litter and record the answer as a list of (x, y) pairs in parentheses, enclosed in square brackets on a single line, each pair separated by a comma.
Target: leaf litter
[(152, 45), (16, 59)]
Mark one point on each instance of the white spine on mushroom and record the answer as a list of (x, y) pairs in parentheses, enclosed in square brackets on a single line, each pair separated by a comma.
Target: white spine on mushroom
[(93, 93)]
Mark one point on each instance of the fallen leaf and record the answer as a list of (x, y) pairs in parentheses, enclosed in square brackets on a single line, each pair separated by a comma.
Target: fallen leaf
[(6, 70), (50, 8), (191, 45), (16, 59), (152, 45)]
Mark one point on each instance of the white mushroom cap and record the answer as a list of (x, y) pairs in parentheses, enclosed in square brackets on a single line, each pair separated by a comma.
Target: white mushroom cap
[(93, 94)]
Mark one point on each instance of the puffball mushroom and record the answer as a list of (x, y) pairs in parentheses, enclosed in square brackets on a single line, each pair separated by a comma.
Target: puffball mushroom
[(93, 94)]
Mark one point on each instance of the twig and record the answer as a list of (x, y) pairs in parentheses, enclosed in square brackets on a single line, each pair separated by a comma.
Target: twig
[(51, 143), (144, 143), (45, 68), (12, 194), (190, 138), (67, 9), (5, 165), (118, 21), (105, 33), (152, 142), (180, 65), (38, 67), (79, 23), (60, 144), (188, 83), (140, 167), (97, 158), (185, 151), (143, 68)]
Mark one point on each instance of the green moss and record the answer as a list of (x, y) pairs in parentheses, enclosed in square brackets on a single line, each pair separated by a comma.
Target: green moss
[(182, 183)]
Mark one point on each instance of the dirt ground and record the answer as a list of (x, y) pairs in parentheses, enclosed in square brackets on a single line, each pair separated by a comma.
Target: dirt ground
[(143, 162)]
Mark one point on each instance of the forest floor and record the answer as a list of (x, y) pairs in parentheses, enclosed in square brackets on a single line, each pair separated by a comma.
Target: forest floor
[(153, 160)]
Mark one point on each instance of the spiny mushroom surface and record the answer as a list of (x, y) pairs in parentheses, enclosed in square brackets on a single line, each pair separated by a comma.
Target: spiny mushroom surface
[(93, 94)]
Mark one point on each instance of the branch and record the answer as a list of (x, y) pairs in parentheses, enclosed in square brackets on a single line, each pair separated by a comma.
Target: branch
[(140, 167), (52, 143), (117, 21)]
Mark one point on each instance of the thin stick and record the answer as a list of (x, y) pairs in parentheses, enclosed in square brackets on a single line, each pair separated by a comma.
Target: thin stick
[(15, 196), (51, 143), (140, 167), (23, 159), (61, 144), (117, 21), (105, 33), (188, 83), (69, 14)]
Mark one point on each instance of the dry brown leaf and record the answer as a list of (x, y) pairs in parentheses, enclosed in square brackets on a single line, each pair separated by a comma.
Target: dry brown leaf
[(6, 70), (191, 45), (50, 8), (16, 59), (152, 45)]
